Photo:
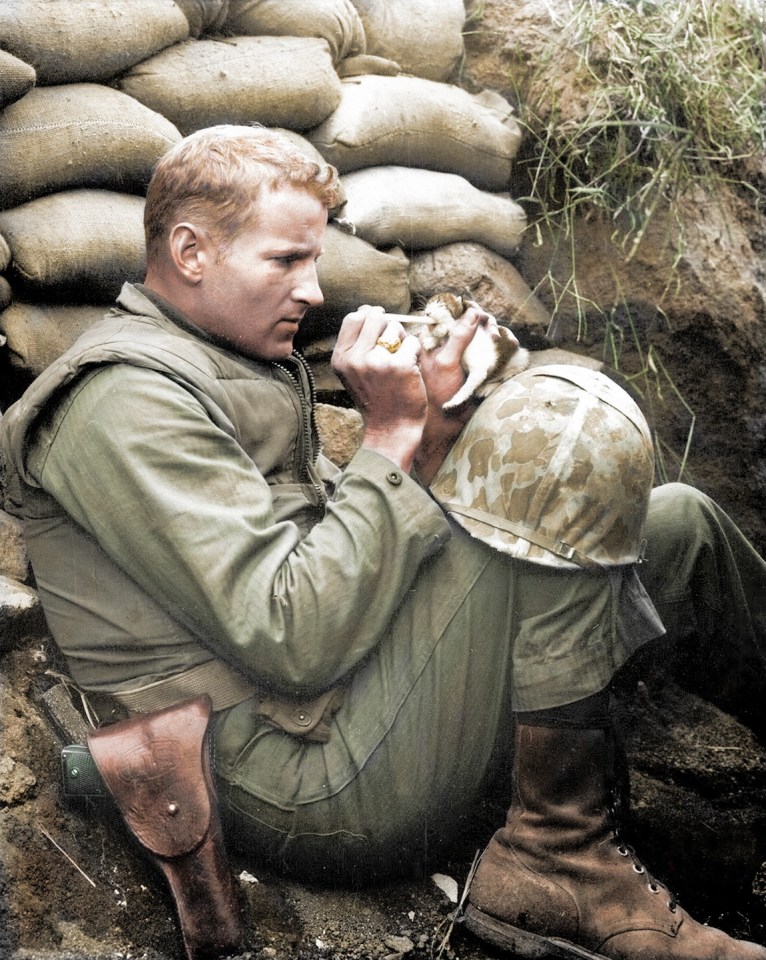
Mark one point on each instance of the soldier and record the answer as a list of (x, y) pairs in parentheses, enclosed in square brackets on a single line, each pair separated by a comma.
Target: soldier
[(368, 653)]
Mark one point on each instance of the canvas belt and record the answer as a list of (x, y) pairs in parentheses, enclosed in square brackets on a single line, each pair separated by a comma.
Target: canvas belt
[(224, 686), (308, 719)]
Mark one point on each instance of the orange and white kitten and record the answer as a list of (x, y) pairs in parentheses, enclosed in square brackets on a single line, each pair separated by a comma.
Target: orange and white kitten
[(492, 356)]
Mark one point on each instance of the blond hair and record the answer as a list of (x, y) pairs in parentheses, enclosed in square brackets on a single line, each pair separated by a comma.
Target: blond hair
[(215, 178)]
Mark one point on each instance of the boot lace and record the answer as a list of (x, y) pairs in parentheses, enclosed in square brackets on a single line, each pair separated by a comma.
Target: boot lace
[(626, 850)]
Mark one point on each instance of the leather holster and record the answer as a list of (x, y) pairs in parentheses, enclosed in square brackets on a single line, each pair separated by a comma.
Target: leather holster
[(157, 767)]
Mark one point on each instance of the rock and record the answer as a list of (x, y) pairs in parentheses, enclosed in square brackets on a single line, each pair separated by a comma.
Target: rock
[(340, 430), (488, 278), (16, 781), (401, 945), (20, 612), (14, 561)]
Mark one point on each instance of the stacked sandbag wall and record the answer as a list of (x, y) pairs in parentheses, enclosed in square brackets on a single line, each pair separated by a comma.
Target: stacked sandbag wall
[(92, 92)]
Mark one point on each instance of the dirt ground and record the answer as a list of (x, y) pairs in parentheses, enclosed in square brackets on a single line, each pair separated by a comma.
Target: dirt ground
[(81, 890)]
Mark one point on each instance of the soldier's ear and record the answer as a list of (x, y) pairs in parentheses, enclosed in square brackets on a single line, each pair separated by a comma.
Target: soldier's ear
[(189, 251)]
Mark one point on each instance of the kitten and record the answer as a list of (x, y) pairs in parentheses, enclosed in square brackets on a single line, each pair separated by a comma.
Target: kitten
[(489, 358)]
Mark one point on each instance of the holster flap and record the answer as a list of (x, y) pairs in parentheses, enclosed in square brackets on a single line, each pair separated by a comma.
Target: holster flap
[(307, 719), (157, 769)]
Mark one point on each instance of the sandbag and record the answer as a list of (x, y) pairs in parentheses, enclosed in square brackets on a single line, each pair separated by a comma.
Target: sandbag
[(71, 40), (420, 123), (305, 146), (6, 293), (423, 209), (76, 135), (486, 277), (77, 244), (364, 63), (278, 81), (5, 254), (16, 78), (352, 272), (424, 36), (38, 333), (310, 151), (204, 16), (335, 21)]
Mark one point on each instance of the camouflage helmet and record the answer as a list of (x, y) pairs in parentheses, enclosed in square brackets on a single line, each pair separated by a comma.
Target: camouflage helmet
[(555, 467)]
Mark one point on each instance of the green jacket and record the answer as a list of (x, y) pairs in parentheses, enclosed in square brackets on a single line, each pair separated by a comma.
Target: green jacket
[(177, 508)]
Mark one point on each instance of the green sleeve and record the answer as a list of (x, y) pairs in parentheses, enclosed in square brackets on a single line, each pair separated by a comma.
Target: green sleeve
[(173, 499)]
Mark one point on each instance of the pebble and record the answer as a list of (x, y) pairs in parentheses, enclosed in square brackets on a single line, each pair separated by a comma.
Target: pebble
[(400, 944)]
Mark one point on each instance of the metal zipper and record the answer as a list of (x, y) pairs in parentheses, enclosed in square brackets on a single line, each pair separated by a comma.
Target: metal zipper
[(305, 387)]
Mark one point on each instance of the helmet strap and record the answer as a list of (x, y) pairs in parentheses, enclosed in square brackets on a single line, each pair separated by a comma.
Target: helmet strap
[(557, 547)]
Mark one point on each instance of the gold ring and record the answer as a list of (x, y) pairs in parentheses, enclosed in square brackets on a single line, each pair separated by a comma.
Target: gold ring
[(391, 345)]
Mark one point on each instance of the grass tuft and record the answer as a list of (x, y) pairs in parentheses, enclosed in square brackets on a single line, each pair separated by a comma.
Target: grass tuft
[(663, 97), (673, 94)]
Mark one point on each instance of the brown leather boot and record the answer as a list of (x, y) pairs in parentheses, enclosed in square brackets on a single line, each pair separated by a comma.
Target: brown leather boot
[(557, 882)]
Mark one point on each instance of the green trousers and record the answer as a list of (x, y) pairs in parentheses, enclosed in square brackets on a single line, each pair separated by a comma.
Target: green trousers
[(427, 719)]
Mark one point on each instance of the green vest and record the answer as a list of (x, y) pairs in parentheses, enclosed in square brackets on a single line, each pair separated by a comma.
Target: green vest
[(99, 641)]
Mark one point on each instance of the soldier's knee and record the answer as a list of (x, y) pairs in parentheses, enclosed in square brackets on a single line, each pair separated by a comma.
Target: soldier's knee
[(680, 504)]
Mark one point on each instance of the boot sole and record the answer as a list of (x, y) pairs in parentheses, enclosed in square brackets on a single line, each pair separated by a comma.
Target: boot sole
[(521, 943)]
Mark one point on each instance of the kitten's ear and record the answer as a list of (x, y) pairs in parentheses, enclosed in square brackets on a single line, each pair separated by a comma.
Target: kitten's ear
[(453, 303), (464, 301)]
